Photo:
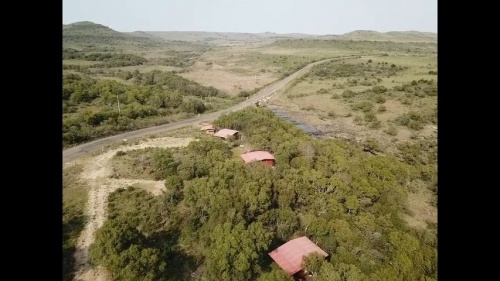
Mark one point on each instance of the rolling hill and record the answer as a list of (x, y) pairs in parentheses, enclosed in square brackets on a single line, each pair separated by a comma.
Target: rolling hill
[(87, 33), (395, 36)]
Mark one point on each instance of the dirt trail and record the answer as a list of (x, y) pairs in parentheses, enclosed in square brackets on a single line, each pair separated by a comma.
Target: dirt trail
[(96, 173)]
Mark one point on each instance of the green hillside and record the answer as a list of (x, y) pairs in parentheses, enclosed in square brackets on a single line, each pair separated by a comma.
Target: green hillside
[(87, 33)]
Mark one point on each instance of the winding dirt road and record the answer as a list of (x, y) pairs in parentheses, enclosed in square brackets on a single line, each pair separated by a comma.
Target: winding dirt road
[(97, 171), (74, 152)]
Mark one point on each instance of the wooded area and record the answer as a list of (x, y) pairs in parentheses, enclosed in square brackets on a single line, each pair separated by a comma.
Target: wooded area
[(219, 218)]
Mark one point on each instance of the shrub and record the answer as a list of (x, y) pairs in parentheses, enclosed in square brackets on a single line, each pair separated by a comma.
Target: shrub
[(379, 99), (322, 91), (391, 130), (382, 109), (358, 120), (348, 94), (371, 144), (376, 124), (244, 94), (364, 106), (415, 125), (370, 116)]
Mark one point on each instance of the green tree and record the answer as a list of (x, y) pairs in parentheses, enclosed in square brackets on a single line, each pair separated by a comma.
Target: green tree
[(234, 251)]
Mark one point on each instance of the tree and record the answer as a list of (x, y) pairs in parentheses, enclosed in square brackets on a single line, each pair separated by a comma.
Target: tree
[(120, 247), (312, 263), (235, 250)]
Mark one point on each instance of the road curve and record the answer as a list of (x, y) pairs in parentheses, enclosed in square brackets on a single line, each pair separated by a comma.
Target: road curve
[(71, 154)]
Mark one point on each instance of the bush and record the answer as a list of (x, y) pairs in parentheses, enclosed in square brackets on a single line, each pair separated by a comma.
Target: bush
[(335, 96), (244, 94), (358, 120), (415, 125), (376, 124), (379, 99), (322, 91), (379, 89), (391, 130), (382, 109), (371, 144), (364, 106), (370, 116), (348, 94)]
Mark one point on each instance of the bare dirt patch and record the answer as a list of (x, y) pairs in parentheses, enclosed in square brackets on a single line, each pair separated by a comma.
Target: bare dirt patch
[(223, 78), (419, 204), (96, 173)]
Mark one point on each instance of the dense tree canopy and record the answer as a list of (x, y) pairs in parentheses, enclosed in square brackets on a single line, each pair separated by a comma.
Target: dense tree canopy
[(228, 216), (95, 108)]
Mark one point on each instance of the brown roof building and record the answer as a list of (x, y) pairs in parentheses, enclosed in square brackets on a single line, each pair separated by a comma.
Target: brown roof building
[(261, 156), (225, 133), (289, 255)]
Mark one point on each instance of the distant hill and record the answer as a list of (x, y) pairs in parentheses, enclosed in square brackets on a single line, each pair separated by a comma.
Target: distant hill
[(216, 37), (87, 33), (395, 36), (358, 35)]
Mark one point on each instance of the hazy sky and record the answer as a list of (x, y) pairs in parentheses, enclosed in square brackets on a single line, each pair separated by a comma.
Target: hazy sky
[(253, 16)]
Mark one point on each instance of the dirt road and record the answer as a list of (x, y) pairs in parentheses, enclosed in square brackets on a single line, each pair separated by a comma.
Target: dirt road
[(96, 173), (74, 152)]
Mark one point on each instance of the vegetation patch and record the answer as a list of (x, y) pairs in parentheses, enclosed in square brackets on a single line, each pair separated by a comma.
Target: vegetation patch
[(74, 200)]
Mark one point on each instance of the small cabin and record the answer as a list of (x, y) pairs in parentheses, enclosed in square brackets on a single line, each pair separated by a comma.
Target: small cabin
[(289, 256), (226, 133), (258, 156)]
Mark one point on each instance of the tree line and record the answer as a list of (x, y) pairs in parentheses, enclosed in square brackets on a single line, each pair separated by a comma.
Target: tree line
[(95, 108)]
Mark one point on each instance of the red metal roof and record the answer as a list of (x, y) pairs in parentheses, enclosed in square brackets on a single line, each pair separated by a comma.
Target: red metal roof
[(253, 156), (224, 133), (289, 255)]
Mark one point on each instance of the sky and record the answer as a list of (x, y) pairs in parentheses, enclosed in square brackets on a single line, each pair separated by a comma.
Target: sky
[(318, 17)]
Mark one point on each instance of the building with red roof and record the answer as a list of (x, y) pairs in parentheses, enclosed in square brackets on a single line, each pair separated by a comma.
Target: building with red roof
[(261, 156), (289, 255), (225, 133)]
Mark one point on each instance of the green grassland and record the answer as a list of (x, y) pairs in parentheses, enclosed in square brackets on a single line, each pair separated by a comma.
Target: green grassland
[(373, 96)]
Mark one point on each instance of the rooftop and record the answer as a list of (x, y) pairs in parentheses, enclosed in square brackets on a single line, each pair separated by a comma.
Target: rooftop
[(224, 133), (253, 156), (289, 255)]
